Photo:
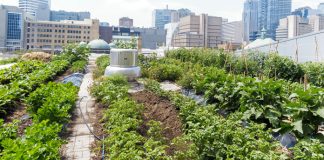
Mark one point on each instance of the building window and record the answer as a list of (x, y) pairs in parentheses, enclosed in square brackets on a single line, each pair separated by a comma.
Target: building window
[(14, 26)]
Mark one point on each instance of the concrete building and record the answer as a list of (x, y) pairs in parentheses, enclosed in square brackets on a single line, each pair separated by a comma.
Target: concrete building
[(51, 36), (126, 22), (317, 22), (152, 38), (232, 32), (199, 31), (64, 15), (292, 26), (40, 9), (11, 28)]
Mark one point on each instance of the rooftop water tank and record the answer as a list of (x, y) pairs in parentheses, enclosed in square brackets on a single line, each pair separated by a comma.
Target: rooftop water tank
[(124, 62)]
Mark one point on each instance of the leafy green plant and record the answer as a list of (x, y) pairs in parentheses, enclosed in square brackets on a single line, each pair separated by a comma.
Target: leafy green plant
[(7, 61), (132, 44), (19, 71), (41, 141), (165, 72), (110, 89), (102, 62), (53, 102), (79, 66), (8, 131)]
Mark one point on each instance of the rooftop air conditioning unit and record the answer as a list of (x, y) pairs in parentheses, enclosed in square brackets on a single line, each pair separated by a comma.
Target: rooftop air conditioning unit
[(124, 62)]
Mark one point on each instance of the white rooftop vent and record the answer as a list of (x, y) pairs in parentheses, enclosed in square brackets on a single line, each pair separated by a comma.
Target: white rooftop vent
[(124, 62)]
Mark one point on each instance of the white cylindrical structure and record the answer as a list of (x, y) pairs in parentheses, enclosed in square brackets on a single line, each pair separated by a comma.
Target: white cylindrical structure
[(124, 62)]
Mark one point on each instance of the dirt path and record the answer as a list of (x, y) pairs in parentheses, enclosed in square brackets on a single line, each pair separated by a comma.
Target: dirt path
[(159, 109)]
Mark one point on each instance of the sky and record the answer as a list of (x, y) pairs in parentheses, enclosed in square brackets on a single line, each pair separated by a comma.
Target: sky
[(141, 10)]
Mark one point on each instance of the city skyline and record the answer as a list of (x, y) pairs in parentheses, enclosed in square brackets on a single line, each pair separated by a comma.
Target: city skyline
[(141, 10)]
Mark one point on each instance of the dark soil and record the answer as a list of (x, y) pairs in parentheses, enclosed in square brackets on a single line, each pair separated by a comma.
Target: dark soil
[(16, 113), (98, 130), (159, 109)]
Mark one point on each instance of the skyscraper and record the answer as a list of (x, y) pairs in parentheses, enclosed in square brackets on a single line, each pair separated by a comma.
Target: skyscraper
[(277, 9), (11, 28), (40, 9), (161, 17), (250, 20), (263, 14)]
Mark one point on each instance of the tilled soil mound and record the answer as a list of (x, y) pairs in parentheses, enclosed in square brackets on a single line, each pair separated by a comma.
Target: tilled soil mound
[(159, 109)]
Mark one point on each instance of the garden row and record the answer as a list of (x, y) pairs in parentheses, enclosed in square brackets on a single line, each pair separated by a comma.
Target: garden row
[(281, 105), (22, 83), (19, 71), (211, 136), (254, 64), (122, 123), (50, 107)]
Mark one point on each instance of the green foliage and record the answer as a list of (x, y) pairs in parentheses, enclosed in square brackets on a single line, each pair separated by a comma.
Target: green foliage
[(315, 73), (110, 89), (282, 105), (122, 44), (283, 68), (7, 61), (309, 149), (252, 64), (76, 52), (8, 131), (216, 137), (19, 71), (53, 102), (41, 141), (102, 62), (79, 66), (165, 72), (123, 119), (19, 89)]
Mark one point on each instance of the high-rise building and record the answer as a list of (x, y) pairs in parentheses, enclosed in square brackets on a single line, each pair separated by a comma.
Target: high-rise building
[(126, 22), (40, 9), (277, 9), (304, 12), (250, 20), (161, 17), (64, 15), (51, 36), (317, 22), (232, 32), (11, 28), (183, 12), (199, 31), (320, 8), (263, 14), (292, 26)]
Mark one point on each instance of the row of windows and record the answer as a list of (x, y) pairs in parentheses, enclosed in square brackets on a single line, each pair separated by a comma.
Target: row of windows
[(57, 26), (56, 30)]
